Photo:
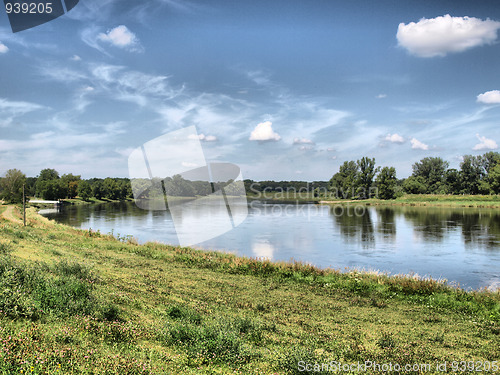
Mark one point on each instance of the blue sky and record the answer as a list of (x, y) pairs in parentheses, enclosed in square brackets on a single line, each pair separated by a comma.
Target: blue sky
[(285, 89)]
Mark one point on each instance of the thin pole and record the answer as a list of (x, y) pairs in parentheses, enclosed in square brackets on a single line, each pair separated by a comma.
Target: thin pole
[(24, 205)]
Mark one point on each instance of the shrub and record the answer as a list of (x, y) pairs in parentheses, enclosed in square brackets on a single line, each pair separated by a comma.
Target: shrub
[(386, 341)]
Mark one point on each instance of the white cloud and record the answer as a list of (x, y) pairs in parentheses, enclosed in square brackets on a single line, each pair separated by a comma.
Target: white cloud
[(203, 137), (9, 110), (302, 141), (381, 96), (75, 58), (264, 132), (417, 145), (394, 138), (446, 34), (3, 48), (121, 37), (489, 97), (485, 144), (210, 138), (18, 107)]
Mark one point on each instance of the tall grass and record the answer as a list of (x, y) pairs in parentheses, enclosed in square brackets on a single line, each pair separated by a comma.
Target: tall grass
[(436, 293), (32, 291)]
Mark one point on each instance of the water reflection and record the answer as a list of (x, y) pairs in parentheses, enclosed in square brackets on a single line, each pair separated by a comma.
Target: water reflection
[(263, 249), (478, 227), (355, 224), (386, 224)]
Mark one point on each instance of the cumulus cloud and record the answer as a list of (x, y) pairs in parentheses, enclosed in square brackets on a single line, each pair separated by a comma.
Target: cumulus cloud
[(489, 97), (381, 96), (203, 137), (121, 37), (264, 132), (485, 144), (302, 141), (394, 138), (446, 34), (417, 145), (75, 58), (3, 48)]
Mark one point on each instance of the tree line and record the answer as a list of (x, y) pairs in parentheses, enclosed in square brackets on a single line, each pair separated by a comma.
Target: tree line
[(49, 185), (359, 179)]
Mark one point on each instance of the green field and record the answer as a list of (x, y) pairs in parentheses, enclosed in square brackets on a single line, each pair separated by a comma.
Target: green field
[(490, 201), (82, 302)]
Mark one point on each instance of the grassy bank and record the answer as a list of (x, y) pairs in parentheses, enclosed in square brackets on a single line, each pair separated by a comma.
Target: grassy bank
[(439, 200), (486, 201), (82, 302)]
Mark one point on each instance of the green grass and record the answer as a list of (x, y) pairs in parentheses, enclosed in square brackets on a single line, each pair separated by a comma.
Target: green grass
[(487, 201), (444, 200), (80, 302)]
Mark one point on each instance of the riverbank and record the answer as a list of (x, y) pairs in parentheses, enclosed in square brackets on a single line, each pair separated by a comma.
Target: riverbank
[(438, 200), (86, 302), (433, 200)]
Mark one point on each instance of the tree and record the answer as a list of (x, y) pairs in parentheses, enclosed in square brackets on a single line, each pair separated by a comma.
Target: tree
[(31, 186), (179, 187), (415, 185), (73, 189), (432, 170), (452, 181), (343, 183), (364, 177), (11, 186), (72, 183), (97, 189), (123, 191), (109, 188), (386, 183), (494, 179), (84, 190), (48, 174), (490, 160), (472, 173), (53, 190), (42, 189)]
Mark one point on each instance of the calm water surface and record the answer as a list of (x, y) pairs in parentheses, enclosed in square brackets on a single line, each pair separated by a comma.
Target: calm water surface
[(461, 245)]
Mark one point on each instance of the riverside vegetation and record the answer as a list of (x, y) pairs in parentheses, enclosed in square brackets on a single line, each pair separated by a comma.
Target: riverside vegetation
[(81, 302)]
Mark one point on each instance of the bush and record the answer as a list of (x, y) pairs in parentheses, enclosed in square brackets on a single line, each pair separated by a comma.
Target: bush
[(31, 291), (5, 248)]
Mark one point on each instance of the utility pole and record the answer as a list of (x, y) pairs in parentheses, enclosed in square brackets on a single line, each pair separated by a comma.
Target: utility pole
[(24, 205)]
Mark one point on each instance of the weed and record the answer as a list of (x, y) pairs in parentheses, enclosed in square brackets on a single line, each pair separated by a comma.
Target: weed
[(386, 341), (5, 248), (438, 337)]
